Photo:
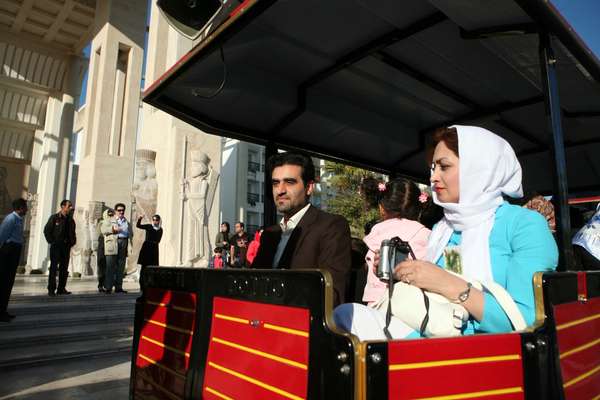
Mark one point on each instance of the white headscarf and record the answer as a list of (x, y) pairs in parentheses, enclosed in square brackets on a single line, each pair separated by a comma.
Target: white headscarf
[(488, 168)]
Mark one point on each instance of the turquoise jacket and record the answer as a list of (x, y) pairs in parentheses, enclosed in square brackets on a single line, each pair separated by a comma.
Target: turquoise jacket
[(521, 244)]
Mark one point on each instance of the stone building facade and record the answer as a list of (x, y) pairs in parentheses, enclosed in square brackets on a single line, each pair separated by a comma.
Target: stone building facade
[(128, 152)]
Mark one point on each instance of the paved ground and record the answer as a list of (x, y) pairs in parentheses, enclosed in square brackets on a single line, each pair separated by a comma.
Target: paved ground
[(35, 285), (66, 347)]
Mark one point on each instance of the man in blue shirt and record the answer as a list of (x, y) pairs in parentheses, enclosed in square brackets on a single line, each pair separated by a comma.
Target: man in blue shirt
[(11, 242), (124, 235)]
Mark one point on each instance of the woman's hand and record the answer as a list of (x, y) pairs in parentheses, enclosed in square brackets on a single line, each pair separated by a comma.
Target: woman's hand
[(431, 277)]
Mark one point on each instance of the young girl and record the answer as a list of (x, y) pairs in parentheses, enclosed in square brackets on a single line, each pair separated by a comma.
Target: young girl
[(400, 203)]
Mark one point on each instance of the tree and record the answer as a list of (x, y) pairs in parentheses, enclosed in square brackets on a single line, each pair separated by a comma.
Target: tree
[(343, 182)]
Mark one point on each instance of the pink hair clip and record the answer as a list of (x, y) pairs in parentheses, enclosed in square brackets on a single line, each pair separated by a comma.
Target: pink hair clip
[(381, 187), (423, 197)]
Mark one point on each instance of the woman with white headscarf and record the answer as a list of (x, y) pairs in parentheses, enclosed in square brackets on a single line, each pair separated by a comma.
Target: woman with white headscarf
[(471, 170)]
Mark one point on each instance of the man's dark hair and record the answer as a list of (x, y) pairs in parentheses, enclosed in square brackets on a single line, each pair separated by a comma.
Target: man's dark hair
[(18, 204), (120, 205), (241, 224), (218, 250), (301, 160), (64, 202)]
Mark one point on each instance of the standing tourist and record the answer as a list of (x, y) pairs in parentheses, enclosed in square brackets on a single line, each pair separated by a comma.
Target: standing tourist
[(222, 241), (149, 252), (239, 244), (60, 234), (101, 259), (124, 235), (108, 229), (11, 242)]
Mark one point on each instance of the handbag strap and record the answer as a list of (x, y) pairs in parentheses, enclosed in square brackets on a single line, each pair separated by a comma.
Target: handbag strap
[(506, 302), (503, 298)]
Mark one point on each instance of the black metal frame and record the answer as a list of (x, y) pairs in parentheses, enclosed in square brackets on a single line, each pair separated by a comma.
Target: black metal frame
[(553, 112), (352, 58)]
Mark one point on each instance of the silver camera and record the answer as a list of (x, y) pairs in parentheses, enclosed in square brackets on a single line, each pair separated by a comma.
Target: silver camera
[(393, 251)]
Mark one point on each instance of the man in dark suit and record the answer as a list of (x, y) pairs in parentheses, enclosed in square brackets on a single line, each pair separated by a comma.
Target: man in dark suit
[(60, 235), (306, 237)]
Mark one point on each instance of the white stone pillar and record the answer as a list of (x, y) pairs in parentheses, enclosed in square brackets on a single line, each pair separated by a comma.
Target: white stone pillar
[(113, 99), (47, 188), (51, 158)]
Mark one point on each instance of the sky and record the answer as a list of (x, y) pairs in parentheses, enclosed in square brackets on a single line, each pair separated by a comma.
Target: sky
[(583, 16)]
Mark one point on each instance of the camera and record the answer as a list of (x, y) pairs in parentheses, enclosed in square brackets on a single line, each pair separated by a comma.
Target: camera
[(393, 251)]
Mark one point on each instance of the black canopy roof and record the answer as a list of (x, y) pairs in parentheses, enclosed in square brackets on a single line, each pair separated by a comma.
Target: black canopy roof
[(365, 81)]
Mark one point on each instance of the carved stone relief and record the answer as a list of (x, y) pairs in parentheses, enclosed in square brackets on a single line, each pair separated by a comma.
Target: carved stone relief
[(5, 200), (199, 187), (31, 222), (80, 253), (84, 255), (144, 193)]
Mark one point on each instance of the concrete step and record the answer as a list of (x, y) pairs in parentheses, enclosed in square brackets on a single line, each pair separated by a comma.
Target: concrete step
[(25, 356), (54, 329), (10, 339), (75, 297), (24, 309), (57, 319)]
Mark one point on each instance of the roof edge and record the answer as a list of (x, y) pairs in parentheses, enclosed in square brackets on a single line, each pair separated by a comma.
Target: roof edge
[(546, 14)]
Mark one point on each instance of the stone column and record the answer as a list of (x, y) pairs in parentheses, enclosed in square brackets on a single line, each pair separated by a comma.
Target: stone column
[(113, 100), (52, 153), (47, 188)]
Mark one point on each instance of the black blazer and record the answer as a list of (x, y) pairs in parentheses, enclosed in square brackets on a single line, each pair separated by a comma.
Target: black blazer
[(320, 240)]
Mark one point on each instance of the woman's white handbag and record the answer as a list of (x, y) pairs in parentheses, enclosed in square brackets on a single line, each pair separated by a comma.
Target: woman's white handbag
[(433, 315)]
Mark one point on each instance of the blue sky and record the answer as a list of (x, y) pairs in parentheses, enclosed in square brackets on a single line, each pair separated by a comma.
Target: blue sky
[(583, 16)]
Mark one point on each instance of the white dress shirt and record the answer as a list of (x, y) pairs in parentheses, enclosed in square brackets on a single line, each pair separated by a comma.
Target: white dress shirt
[(286, 231)]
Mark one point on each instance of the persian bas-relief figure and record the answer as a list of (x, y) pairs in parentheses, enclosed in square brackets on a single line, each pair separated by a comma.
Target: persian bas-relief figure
[(145, 187), (31, 222), (199, 191), (5, 200), (84, 255), (81, 252), (95, 209), (144, 193)]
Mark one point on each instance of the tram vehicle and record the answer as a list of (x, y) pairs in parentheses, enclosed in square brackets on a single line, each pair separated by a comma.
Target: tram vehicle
[(364, 82)]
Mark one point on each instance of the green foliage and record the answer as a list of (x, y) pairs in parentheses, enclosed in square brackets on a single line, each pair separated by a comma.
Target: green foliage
[(346, 201)]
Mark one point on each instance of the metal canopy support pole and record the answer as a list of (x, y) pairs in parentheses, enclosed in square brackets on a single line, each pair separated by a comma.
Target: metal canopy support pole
[(270, 213), (561, 188)]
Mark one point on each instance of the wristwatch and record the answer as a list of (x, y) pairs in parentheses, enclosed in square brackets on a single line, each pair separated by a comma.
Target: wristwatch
[(464, 296)]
